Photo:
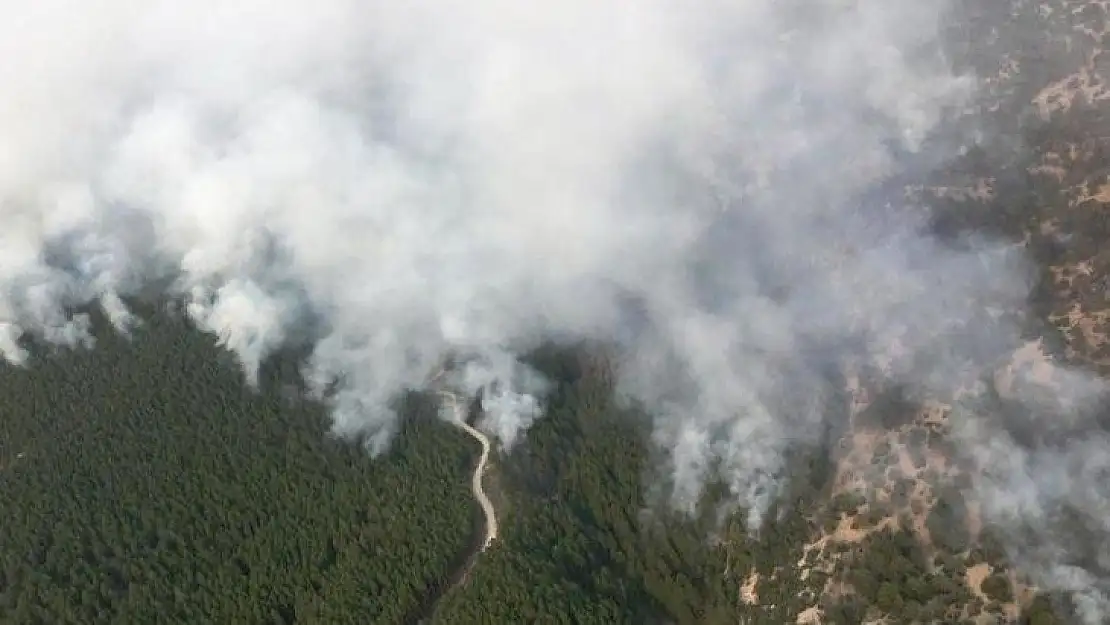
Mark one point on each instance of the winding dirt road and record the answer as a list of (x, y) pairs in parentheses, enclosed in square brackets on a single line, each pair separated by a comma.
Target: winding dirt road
[(479, 470), (423, 612)]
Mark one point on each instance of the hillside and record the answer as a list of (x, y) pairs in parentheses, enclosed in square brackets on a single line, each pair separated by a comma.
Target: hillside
[(1038, 178), (145, 481)]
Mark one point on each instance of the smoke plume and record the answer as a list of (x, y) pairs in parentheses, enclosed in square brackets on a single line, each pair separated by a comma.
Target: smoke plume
[(696, 183)]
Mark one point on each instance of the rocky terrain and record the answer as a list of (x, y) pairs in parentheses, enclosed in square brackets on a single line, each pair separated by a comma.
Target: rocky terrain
[(1039, 177)]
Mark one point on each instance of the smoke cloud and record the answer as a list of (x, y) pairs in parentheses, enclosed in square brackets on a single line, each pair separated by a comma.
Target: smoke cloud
[(696, 183)]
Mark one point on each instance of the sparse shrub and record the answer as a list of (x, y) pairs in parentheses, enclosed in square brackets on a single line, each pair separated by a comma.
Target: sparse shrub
[(997, 587)]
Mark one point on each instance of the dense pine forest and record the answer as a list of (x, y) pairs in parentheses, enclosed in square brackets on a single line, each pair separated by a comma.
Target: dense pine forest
[(144, 482)]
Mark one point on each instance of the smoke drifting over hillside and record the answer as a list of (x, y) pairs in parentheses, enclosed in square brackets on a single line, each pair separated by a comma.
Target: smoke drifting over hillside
[(691, 181)]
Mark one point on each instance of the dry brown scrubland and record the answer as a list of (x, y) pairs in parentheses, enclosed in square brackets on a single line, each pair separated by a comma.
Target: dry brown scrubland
[(1063, 220)]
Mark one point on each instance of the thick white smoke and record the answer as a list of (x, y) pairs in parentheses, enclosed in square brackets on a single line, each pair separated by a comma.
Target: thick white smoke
[(689, 180)]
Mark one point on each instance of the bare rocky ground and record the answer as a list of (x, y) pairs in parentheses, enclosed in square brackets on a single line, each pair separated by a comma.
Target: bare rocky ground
[(1042, 179)]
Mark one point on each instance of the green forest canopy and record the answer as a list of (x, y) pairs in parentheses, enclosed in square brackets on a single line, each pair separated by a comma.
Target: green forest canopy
[(144, 483)]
